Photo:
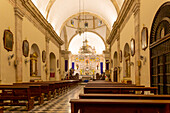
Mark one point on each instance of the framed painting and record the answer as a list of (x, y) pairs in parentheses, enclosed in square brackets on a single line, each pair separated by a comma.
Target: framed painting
[(144, 38), (43, 56), (25, 48), (132, 46), (8, 40), (120, 55)]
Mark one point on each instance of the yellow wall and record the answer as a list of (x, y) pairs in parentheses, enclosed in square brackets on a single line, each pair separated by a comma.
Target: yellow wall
[(148, 11), (7, 19), (34, 36), (126, 34)]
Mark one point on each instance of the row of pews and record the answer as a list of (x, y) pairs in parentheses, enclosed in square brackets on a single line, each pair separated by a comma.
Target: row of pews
[(109, 97), (27, 93)]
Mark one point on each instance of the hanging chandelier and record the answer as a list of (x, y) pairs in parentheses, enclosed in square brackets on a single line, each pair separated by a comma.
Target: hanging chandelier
[(81, 18)]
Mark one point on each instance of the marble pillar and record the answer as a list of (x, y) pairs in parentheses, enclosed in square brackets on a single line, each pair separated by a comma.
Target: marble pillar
[(136, 12), (18, 43), (47, 59)]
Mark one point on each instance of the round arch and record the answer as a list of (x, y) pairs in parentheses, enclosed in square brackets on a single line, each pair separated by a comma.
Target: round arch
[(36, 55), (93, 40), (87, 31), (159, 48), (52, 66), (89, 13), (115, 59), (51, 2), (126, 50)]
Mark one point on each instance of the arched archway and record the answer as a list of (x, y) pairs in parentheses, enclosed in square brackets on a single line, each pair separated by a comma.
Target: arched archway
[(160, 50), (126, 61), (52, 66), (115, 62), (94, 40), (89, 32), (35, 61)]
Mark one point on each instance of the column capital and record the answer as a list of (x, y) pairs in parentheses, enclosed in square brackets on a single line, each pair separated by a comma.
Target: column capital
[(47, 39), (19, 13), (106, 54), (136, 8)]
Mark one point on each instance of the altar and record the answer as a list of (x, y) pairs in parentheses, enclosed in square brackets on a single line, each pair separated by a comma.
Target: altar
[(87, 62), (86, 78)]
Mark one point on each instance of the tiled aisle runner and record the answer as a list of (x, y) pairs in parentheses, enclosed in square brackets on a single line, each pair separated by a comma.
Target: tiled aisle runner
[(56, 105)]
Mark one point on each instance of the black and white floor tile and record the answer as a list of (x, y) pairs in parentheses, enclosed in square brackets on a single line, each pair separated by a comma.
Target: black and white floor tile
[(59, 104)]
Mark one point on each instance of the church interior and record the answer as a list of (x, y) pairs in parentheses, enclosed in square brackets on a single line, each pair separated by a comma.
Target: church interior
[(85, 56)]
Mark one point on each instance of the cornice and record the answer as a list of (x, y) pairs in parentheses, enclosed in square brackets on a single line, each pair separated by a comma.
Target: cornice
[(31, 8), (120, 19)]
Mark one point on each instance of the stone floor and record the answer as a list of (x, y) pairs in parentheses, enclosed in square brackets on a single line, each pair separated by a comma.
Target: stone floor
[(56, 105)]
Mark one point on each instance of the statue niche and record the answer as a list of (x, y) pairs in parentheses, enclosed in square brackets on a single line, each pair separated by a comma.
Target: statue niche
[(33, 64)]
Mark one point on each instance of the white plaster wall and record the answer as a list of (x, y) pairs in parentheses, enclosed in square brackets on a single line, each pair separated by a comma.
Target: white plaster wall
[(7, 20), (33, 35), (53, 48), (126, 34), (148, 11)]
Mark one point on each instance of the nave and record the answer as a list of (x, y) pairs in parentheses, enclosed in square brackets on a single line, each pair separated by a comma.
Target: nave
[(60, 104)]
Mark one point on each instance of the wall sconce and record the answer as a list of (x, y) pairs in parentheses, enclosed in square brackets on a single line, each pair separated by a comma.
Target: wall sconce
[(9, 58), (131, 63), (143, 58), (44, 66), (15, 63), (120, 68), (26, 61)]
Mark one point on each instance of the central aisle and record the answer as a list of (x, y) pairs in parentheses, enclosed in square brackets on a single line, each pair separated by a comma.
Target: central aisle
[(60, 104), (56, 105)]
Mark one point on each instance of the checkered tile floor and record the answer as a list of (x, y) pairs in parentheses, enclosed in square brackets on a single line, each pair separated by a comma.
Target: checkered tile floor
[(59, 104)]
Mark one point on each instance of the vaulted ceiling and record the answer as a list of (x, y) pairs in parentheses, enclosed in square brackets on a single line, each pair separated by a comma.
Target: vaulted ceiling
[(58, 11)]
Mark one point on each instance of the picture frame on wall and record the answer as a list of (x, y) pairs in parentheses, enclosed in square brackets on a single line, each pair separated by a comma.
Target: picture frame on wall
[(25, 48), (120, 55), (43, 56), (144, 38), (8, 40), (132, 46)]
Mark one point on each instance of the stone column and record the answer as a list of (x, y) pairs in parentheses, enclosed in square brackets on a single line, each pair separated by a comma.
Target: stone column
[(118, 54), (136, 12), (66, 57), (60, 63), (47, 59), (18, 43)]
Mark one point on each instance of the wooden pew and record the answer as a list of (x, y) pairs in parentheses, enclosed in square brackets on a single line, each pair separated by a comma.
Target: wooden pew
[(1, 109), (44, 88), (12, 95), (119, 106), (36, 91), (119, 90), (110, 84), (124, 96)]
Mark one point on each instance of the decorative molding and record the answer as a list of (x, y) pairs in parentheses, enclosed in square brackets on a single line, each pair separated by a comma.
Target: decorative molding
[(36, 14), (136, 8), (126, 8), (19, 13)]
